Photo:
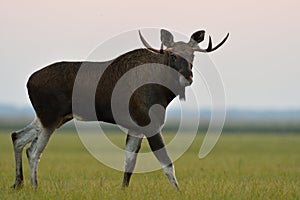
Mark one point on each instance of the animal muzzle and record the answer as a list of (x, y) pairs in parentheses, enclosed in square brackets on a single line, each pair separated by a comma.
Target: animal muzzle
[(185, 77), (185, 81)]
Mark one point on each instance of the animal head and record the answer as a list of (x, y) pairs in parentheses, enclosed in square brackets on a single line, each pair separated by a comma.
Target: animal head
[(180, 55)]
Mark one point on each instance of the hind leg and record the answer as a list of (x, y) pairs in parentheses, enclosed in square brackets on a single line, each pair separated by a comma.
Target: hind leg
[(20, 139), (133, 145), (35, 150)]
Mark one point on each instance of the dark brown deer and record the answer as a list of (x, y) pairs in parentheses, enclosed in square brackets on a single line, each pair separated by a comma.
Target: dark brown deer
[(51, 91)]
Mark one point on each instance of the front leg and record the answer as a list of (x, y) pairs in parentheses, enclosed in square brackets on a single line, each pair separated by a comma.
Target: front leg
[(157, 145), (133, 145)]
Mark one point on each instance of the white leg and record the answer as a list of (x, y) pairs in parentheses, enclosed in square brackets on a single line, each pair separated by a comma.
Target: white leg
[(34, 152), (20, 139), (133, 145), (170, 173), (158, 147)]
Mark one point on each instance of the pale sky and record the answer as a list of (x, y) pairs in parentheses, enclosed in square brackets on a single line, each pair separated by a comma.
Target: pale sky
[(259, 63)]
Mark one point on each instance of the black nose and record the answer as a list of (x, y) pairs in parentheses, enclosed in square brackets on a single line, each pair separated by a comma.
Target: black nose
[(190, 76)]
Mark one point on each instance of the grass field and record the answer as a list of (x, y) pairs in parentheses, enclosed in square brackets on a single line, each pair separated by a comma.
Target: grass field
[(241, 166)]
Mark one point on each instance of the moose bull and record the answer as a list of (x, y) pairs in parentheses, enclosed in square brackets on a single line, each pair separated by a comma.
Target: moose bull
[(51, 94)]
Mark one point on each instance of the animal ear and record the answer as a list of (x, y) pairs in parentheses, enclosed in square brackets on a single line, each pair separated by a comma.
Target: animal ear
[(196, 38), (166, 38)]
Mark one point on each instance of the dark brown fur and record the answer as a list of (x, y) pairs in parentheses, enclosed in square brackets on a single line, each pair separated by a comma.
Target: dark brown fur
[(50, 89)]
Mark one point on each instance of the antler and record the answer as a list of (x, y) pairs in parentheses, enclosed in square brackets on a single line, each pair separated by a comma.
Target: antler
[(209, 48), (147, 45)]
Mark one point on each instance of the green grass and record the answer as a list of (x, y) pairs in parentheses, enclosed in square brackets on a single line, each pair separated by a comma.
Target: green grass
[(241, 166)]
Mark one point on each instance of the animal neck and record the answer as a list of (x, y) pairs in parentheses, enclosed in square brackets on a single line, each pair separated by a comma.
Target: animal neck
[(181, 89)]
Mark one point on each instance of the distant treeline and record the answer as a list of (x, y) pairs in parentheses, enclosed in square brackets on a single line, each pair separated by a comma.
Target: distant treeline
[(246, 126), (230, 126)]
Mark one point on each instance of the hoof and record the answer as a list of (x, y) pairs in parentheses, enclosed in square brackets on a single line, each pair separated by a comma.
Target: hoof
[(177, 187), (34, 186), (17, 185), (125, 185)]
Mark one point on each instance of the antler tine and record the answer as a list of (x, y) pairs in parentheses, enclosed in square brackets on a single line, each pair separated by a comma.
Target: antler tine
[(209, 45), (221, 43), (145, 43), (209, 48)]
